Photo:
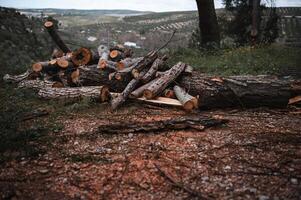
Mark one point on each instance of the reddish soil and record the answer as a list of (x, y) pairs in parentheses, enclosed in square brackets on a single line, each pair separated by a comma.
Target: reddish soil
[(257, 155)]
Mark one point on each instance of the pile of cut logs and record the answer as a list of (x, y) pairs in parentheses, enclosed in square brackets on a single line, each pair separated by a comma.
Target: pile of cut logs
[(113, 74)]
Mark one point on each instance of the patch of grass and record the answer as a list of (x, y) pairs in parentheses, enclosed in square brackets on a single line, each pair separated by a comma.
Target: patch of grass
[(244, 60)]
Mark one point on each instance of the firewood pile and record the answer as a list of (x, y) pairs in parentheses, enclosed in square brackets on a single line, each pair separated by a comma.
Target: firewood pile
[(96, 73), (113, 74)]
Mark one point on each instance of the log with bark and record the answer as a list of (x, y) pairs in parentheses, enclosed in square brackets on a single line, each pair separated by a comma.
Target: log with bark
[(127, 62), (189, 102), (243, 91), (17, 78), (164, 81), (37, 84), (146, 62), (55, 36), (47, 67), (100, 93), (134, 83), (196, 123), (151, 73)]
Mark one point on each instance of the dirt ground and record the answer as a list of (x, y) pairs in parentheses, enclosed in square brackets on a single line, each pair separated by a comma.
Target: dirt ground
[(256, 155)]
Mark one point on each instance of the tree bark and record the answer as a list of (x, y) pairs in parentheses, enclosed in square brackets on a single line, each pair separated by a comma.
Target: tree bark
[(147, 61), (243, 91), (197, 123), (208, 22), (37, 84), (96, 92), (17, 78), (55, 37), (163, 82), (189, 102), (139, 91), (151, 73)]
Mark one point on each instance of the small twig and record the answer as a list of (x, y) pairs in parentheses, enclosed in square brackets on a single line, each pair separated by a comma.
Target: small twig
[(179, 185), (167, 42)]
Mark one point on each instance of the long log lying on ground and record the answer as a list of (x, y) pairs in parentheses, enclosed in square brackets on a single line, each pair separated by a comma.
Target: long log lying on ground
[(246, 91), (55, 36), (96, 92), (197, 123), (243, 91)]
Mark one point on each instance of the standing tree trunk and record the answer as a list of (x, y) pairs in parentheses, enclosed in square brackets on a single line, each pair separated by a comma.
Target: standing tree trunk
[(255, 21), (208, 23)]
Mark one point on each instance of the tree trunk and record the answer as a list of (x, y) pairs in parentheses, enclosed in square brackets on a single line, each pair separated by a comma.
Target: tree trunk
[(208, 22), (37, 84), (244, 91), (96, 92), (255, 21), (159, 86), (55, 37), (197, 123)]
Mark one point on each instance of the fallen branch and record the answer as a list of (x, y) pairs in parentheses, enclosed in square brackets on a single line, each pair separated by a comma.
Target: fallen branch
[(196, 123), (179, 185)]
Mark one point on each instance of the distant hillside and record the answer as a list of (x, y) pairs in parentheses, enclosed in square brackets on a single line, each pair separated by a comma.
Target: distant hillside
[(22, 41), (51, 11)]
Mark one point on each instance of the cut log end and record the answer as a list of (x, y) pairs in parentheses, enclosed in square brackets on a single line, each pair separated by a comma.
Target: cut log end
[(148, 94), (75, 76), (105, 94), (53, 62), (120, 65), (102, 64), (57, 85), (48, 24), (114, 54), (189, 105), (135, 73), (63, 63), (82, 56), (118, 76), (169, 93), (37, 67)]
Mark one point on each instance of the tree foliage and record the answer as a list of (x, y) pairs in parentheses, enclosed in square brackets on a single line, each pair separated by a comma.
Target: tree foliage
[(241, 24)]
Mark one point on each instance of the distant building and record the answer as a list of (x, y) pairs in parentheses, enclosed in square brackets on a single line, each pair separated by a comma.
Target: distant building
[(131, 44), (91, 38)]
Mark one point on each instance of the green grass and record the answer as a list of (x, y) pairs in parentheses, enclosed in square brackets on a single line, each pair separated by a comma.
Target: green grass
[(20, 139), (245, 60)]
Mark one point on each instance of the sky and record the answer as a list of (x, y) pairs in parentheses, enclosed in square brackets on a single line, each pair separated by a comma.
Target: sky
[(143, 5)]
